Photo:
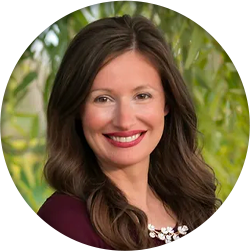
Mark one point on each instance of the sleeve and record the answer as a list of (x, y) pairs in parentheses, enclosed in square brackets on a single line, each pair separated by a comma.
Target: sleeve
[(69, 216)]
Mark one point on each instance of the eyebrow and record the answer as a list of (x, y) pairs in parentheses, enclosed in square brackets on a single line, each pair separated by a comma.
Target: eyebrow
[(138, 88)]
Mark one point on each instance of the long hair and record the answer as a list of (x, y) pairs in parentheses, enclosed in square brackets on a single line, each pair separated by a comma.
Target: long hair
[(177, 172)]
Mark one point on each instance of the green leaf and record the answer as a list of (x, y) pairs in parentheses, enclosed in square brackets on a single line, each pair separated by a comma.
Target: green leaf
[(106, 9), (26, 81), (237, 91), (34, 128), (231, 66), (139, 8), (118, 6), (47, 88), (20, 97), (88, 6), (196, 43), (79, 20), (24, 115), (18, 128)]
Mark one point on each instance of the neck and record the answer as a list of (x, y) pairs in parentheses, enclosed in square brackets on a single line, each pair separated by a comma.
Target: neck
[(133, 182)]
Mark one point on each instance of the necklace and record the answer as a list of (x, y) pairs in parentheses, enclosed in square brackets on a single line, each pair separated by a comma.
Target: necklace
[(167, 234)]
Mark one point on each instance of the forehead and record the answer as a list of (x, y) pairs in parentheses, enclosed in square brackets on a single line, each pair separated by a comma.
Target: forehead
[(129, 70)]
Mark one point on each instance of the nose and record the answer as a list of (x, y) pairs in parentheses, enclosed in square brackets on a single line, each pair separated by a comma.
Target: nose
[(124, 117)]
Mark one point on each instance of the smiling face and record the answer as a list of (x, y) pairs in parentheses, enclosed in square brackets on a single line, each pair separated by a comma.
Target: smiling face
[(123, 116)]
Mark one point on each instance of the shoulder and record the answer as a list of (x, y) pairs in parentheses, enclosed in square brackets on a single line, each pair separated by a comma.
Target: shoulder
[(60, 205), (69, 216)]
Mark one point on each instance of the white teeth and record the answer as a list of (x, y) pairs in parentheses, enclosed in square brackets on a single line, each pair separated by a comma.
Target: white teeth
[(126, 139)]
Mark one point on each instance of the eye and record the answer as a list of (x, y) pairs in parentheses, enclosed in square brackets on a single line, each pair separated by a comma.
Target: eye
[(102, 99), (143, 96)]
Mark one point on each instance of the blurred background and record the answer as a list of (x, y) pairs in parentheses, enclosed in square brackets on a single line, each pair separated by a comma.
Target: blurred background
[(210, 75)]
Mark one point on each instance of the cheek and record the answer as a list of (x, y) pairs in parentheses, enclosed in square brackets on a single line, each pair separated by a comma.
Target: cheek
[(154, 114), (95, 119)]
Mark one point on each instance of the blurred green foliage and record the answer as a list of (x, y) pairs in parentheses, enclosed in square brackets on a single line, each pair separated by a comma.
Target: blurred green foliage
[(208, 71)]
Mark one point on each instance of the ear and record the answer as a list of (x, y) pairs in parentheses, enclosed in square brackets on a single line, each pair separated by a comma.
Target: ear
[(166, 110)]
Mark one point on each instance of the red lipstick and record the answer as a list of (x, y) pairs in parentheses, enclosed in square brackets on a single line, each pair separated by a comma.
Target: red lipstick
[(125, 134)]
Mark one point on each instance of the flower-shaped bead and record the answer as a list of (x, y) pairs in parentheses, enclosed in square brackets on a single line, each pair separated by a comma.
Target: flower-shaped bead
[(183, 229), (151, 227), (176, 237), (161, 236), (168, 237), (170, 230), (164, 230), (167, 234), (152, 234)]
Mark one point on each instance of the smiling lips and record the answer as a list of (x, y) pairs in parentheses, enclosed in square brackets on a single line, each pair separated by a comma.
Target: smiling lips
[(125, 139)]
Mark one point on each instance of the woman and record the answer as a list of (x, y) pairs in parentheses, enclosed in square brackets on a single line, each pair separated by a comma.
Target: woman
[(122, 142)]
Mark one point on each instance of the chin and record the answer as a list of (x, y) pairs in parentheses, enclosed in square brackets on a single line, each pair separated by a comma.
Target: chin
[(127, 161)]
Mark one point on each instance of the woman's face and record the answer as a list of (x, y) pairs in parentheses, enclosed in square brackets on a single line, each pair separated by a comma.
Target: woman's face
[(123, 116)]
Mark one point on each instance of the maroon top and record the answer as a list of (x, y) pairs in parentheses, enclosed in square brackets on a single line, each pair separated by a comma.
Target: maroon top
[(69, 216)]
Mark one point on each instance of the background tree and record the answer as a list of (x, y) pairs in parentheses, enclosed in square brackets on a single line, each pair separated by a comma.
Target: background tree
[(213, 81)]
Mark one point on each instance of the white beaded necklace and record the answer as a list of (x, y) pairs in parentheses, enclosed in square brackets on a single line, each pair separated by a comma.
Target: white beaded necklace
[(167, 234)]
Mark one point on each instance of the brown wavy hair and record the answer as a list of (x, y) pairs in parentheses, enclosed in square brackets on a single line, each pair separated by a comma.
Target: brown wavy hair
[(177, 172)]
